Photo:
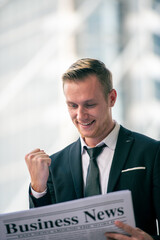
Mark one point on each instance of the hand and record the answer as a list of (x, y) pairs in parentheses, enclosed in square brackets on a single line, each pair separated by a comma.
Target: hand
[(135, 233), (38, 163)]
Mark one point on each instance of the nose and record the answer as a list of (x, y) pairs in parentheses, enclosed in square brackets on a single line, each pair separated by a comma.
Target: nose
[(81, 114)]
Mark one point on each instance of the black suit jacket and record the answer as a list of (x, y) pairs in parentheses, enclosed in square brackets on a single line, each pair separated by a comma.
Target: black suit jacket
[(135, 166)]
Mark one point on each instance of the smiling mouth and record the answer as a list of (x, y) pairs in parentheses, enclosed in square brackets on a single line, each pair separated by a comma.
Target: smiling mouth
[(86, 124)]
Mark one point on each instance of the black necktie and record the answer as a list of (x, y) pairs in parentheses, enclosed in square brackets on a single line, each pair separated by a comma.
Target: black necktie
[(93, 182)]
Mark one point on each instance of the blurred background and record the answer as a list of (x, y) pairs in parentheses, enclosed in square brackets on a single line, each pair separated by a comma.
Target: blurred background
[(39, 40)]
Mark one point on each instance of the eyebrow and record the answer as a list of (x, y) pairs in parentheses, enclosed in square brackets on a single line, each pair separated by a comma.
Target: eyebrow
[(90, 101), (87, 101)]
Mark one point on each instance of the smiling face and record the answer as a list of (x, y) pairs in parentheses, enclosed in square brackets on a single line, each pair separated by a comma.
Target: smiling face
[(89, 109)]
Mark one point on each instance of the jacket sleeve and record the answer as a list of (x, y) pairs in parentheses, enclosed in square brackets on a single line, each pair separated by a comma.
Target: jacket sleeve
[(47, 199)]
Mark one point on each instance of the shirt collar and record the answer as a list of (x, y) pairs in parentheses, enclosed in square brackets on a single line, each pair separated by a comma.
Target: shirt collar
[(110, 140)]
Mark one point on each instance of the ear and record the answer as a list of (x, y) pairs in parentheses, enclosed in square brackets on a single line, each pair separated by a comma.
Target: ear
[(112, 97)]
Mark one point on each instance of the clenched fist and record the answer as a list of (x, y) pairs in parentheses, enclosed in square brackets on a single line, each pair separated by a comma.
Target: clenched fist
[(38, 163)]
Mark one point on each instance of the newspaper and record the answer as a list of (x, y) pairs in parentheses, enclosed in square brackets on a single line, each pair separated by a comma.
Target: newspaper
[(82, 219)]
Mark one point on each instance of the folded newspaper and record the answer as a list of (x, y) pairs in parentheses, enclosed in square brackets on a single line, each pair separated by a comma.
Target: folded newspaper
[(82, 219)]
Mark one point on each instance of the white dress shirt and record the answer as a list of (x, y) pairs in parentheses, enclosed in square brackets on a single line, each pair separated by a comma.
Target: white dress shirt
[(104, 160)]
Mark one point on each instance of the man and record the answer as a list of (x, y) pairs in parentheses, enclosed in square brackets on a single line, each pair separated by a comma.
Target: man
[(128, 161)]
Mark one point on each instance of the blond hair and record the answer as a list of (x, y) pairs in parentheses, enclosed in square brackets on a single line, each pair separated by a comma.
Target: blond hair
[(84, 67)]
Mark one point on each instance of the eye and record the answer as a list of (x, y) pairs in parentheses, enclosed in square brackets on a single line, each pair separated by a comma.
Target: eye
[(72, 105), (90, 105)]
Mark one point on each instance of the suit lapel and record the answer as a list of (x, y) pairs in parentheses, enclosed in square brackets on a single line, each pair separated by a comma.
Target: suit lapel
[(123, 146), (76, 168)]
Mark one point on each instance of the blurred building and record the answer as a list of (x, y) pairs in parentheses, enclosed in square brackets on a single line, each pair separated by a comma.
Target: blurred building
[(138, 63), (39, 39)]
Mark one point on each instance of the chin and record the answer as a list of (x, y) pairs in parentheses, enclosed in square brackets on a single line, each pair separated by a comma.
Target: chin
[(86, 135)]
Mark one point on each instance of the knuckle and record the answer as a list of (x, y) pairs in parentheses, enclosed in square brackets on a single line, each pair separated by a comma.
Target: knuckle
[(28, 158), (141, 237), (40, 159), (31, 156), (138, 229)]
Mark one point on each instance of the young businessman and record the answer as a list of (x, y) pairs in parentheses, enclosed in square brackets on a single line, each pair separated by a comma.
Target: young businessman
[(129, 160)]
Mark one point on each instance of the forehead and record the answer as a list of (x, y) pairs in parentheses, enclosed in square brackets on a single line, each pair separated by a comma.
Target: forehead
[(88, 83), (83, 90)]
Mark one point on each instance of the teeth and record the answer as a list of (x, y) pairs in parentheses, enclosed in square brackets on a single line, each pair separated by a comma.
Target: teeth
[(86, 124)]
